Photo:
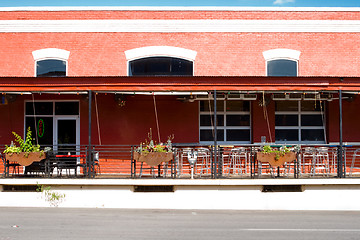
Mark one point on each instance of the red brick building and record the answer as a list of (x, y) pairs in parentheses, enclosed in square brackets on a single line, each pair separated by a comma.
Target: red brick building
[(276, 72)]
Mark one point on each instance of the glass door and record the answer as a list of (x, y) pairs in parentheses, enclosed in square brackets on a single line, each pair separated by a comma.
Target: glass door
[(66, 134)]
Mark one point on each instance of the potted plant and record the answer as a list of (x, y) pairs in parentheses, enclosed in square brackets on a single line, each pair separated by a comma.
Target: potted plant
[(276, 157), (153, 154), (26, 153)]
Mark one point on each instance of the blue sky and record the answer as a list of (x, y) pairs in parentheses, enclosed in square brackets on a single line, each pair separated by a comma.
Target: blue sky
[(247, 3)]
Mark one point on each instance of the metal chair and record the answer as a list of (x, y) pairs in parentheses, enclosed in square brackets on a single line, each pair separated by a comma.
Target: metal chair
[(239, 161), (183, 160), (8, 165), (203, 161), (307, 159), (321, 161), (352, 166)]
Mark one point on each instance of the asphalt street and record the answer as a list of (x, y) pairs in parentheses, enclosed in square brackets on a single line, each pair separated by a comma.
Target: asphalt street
[(67, 223)]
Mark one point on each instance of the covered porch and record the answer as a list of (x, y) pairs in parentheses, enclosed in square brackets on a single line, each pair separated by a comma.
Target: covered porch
[(117, 113)]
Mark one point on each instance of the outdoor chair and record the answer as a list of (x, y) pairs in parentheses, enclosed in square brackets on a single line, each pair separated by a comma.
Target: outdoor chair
[(183, 163), (203, 160), (8, 165), (239, 161), (320, 162), (353, 165)]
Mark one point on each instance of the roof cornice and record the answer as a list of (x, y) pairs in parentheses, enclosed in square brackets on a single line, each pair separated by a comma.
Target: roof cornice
[(181, 8)]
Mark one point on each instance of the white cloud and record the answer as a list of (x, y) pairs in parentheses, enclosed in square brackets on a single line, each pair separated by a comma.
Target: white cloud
[(281, 2)]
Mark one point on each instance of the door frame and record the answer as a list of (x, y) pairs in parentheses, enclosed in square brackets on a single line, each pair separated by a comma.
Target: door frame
[(56, 118)]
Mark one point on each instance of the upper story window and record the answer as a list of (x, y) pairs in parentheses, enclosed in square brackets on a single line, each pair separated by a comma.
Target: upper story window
[(160, 61), (51, 62), (160, 66), (282, 62), (51, 68)]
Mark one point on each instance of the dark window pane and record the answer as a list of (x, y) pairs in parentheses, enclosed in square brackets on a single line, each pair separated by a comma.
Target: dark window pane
[(67, 108), (208, 120), (239, 106), (312, 135), (237, 135), (286, 135), (67, 131), (157, 66), (208, 106), (282, 67), (41, 108), (43, 131), (311, 120), (286, 106), (51, 68), (286, 120), (238, 120), (207, 135), (312, 106)]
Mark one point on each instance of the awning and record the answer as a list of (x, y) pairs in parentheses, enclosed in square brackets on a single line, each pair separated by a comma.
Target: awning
[(179, 84)]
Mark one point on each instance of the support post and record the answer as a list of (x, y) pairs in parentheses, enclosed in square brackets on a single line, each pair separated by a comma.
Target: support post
[(341, 165), (90, 165), (216, 165)]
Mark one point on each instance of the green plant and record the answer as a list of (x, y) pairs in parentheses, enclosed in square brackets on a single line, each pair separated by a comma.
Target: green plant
[(53, 198), (150, 146), (278, 152), (24, 145)]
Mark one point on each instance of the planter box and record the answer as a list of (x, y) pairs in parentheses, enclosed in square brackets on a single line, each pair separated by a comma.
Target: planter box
[(270, 158), (25, 159), (153, 158)]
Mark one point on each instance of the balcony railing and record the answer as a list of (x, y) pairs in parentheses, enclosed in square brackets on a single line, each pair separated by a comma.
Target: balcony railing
[(117, 161)]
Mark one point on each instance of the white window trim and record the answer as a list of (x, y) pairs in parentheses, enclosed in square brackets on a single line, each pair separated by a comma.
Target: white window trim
[(282, 53), (159, 51), (155, 51), (51, 53)]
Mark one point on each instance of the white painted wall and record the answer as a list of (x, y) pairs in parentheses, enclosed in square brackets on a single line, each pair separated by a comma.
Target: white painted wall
[(329, 194)]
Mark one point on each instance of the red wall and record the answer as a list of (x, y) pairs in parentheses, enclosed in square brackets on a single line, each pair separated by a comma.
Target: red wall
[(131, 123), (351, 120), (224, 54), (260, 125)]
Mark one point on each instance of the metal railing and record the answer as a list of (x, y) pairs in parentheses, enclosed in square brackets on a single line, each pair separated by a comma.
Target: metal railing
[(189, 161)]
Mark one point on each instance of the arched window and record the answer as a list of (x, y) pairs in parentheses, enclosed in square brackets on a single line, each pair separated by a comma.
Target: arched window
[(160, 66), (51, 68), (282, 62), (160, 61), (51, 62), (282, 67)]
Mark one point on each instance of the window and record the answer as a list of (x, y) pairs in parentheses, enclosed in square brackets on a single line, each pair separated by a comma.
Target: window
[(160, 66), (299, 122), (51, 68), (41, 114), (160, 61), (282, 67), (281, 62), (51, 62), (233, 121)]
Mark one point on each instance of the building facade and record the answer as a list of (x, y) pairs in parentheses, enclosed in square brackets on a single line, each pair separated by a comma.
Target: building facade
[(276, 74)]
